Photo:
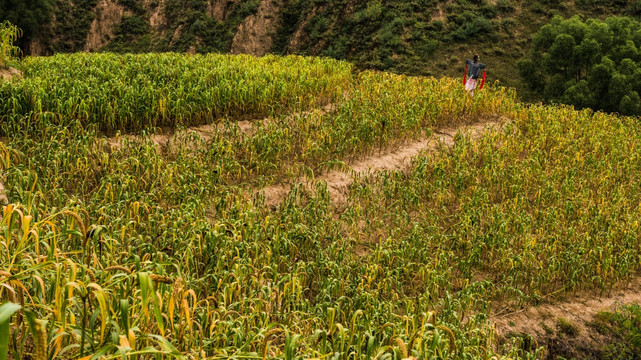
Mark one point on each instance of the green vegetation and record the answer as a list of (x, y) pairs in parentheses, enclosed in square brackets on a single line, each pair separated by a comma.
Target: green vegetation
[(397, 36), (69, 33), (188, 26), (592, 64), (430, 37), (623, 326), (123, 247), (132, 92), (8, 35), (614, 335), (140, 250), (566, 327)]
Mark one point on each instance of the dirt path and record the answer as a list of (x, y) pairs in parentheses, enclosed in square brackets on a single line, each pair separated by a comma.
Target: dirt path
[(338, 182), (579, 311), (163, 141)]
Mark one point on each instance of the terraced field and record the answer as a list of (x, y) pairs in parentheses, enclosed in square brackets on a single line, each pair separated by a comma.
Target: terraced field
[(215, 206)]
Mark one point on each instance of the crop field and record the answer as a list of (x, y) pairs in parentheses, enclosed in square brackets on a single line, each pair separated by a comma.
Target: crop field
[(115, 247)]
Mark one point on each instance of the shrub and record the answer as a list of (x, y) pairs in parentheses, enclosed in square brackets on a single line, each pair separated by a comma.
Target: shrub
[(478, 26)]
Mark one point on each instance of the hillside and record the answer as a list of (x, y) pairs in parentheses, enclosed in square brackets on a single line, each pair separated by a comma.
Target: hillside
[(429, 37)]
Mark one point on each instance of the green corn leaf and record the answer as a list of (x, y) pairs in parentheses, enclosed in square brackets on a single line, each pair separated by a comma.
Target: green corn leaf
[(6, 311)]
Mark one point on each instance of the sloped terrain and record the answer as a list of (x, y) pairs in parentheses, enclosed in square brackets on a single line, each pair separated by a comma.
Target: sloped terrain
[(419, 38), (140, 224)]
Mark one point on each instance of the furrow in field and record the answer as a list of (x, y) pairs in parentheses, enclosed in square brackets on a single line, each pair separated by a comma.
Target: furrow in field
[(247, 127), (579, 311), (3, 196), (338, 181)]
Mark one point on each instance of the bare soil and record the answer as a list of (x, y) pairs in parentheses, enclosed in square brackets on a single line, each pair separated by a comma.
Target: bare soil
[(220, 9), (566, 328), (3, 196), (300, 36), (338, 182), (109, 14), (163, 139), (10, 73), (157, 18), (255, 33)]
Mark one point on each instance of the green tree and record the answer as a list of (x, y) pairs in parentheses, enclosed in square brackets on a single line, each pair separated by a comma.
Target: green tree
[(579, 94), (591, 63), (630, 104)]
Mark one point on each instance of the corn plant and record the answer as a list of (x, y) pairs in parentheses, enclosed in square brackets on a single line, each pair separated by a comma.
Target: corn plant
[(8, 35), (132, 92)]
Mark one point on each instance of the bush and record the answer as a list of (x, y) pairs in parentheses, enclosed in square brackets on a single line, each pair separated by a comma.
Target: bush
[(478, 26), (587, 64)]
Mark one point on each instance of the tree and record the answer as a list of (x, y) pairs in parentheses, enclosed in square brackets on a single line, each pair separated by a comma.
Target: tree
[(561, 54), (579, 94), (630, 104), (587, 64)]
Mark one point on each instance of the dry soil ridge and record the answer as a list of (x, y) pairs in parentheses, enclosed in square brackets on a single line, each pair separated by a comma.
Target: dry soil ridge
[(338, 181), (541, 322), (6, 74), (9, 73), (163, 141)]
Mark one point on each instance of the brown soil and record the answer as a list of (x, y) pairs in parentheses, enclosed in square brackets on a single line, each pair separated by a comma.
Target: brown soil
[(36, 47), (541, 324), (3, 196), (10, 73), (163, 140), (176, 35), (156, 18), (440, 14), (300, 36), (338, 182), (255, 33)]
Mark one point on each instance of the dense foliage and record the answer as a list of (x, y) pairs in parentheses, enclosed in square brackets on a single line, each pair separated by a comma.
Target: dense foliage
[(132, 92), (624, 326), (32, 16), (390, 35), (428, 37), (589, 63)]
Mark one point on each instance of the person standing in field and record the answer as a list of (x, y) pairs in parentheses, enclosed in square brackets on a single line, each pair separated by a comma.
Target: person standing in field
[(474, 68)]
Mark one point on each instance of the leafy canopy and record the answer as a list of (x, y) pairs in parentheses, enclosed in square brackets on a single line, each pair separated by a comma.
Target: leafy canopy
[(588, 64)]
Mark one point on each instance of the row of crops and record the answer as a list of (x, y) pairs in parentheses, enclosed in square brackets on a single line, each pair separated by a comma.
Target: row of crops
[(132, 92), (136, 252)]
